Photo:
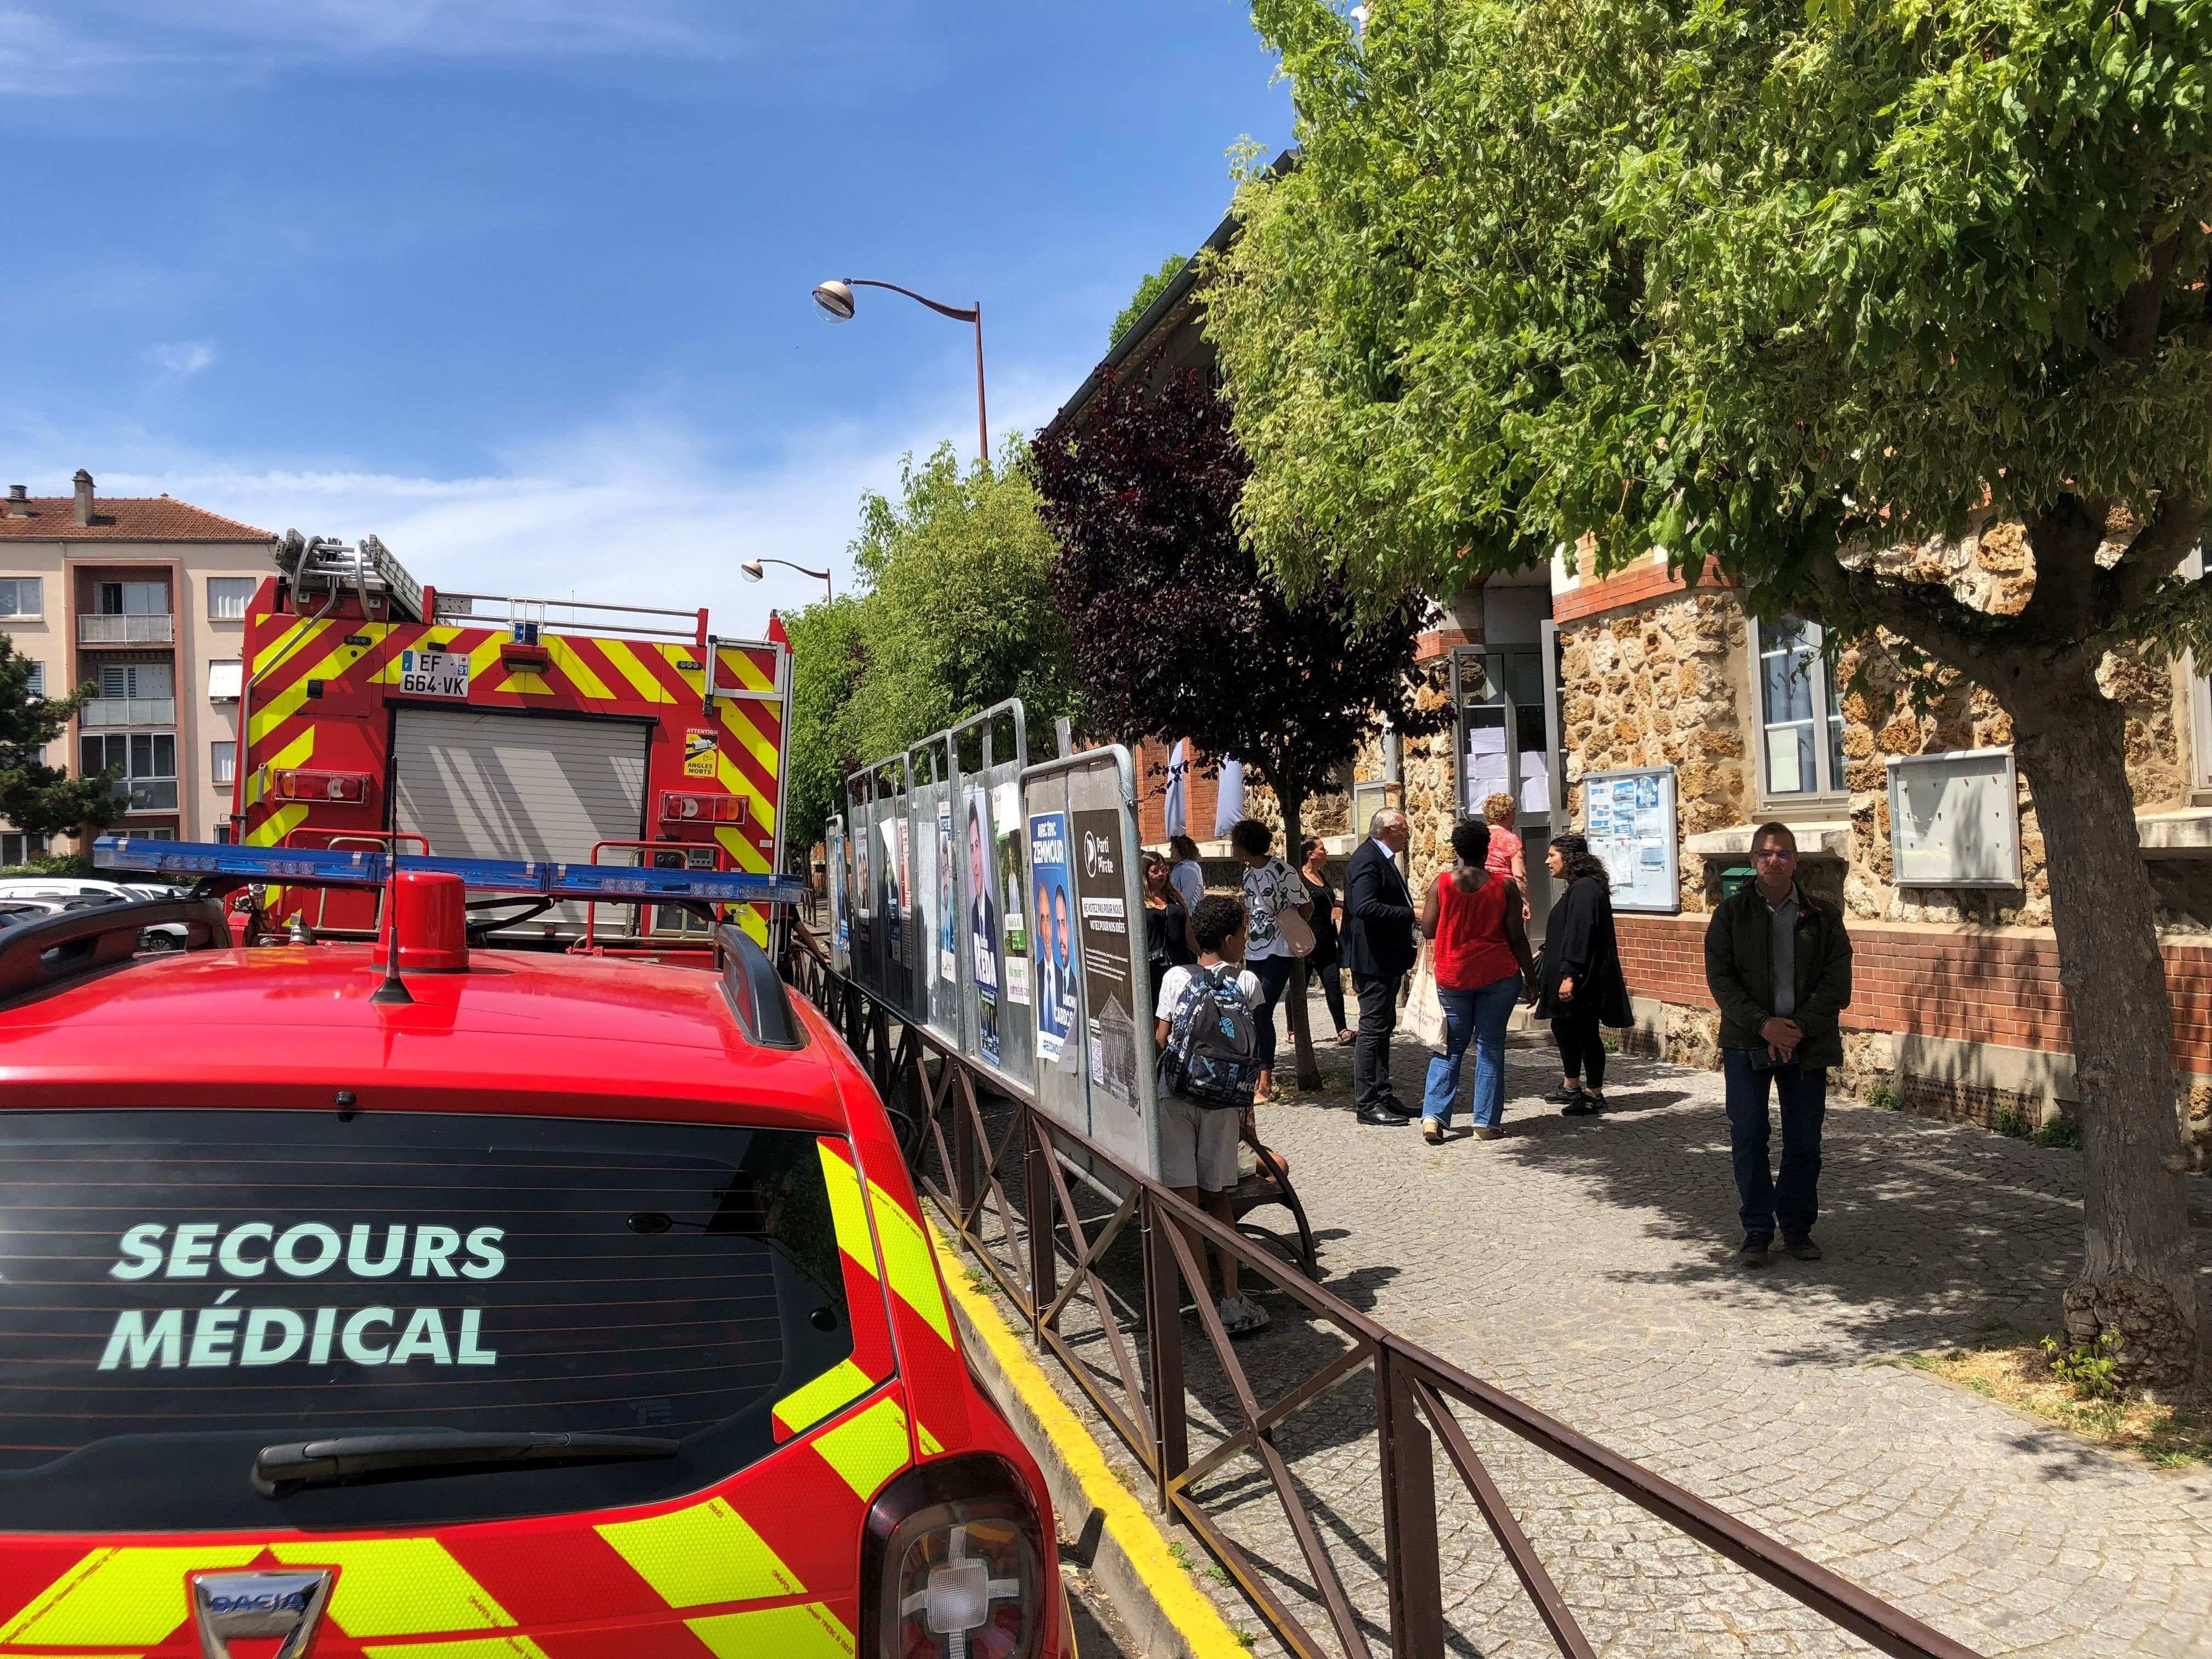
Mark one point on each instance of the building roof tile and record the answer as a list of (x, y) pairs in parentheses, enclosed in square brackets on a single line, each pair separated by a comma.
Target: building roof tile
[(120, 518)]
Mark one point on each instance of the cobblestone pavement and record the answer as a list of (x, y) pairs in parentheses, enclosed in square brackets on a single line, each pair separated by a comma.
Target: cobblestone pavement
[(1585, 1266)]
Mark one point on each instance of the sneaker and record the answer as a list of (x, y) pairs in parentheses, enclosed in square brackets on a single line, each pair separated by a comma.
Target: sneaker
[(1564, 1096), (1583, 1105), (1240, 1318), (1488, 1132), (1802, 1248), (1753, 1252)]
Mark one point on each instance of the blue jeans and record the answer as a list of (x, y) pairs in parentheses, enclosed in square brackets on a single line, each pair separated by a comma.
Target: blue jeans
[(1803, 1092), (1481, 1014)]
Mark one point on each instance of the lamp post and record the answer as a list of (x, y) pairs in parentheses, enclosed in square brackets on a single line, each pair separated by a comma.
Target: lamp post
[(752, 571), (836, 301)]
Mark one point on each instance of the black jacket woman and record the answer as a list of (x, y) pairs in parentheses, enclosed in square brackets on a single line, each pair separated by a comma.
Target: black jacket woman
[(1582, 988)]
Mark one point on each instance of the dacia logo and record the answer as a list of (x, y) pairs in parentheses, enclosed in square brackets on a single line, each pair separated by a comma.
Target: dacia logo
[(287, 1605)]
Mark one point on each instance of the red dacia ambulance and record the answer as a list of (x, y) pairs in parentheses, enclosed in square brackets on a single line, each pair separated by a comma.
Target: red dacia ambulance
[(538, 1306)]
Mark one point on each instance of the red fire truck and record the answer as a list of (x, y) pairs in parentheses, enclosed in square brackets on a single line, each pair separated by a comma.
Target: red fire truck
[(381, 714)]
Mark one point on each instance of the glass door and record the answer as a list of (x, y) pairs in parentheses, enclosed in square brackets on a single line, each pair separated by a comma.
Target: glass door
[(1503, 701)]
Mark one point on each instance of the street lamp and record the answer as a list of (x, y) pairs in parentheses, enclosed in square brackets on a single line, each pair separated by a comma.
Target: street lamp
[(752, 572), (837, 303)]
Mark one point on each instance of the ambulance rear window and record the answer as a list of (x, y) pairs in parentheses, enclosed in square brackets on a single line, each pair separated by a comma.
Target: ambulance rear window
[(181, 1289)]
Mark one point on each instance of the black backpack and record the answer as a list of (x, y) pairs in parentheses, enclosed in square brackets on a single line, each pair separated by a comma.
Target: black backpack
[(1211, 1057)]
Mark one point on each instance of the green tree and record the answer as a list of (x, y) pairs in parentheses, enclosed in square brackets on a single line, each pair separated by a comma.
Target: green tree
[(827, 652), (35, 798), (1809, 290), (951, 614), (1147, 291)]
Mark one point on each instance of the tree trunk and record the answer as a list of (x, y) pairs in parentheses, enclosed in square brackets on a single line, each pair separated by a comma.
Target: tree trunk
[(2139, 1278), (1301, 1027)]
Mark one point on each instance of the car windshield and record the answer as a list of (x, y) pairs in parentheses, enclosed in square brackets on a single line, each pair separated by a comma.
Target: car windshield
[(179, 1289)]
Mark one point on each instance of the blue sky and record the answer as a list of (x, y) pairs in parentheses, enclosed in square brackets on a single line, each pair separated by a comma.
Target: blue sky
[(522, 285)]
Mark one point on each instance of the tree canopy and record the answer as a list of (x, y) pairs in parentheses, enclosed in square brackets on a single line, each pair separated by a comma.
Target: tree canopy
[(36, 798), (952, 615), (1798, 289), (1147, 291)]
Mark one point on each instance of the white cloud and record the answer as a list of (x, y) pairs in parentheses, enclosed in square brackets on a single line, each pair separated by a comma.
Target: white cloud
[(105, 47), (181, 359), (638, 512)]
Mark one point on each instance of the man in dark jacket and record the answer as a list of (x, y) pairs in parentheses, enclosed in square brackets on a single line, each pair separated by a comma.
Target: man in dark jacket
[(1378, 947), (1778, 962)]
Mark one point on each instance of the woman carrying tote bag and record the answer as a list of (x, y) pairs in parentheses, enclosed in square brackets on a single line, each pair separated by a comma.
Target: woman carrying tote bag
[(1583, 987)]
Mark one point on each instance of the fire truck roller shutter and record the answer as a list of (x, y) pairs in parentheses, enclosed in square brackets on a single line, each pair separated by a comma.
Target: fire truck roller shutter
[(502, 786)]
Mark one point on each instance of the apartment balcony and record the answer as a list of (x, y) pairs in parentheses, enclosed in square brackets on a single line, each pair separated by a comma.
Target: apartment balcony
[(112, 712), (147, 795), (126, 630)]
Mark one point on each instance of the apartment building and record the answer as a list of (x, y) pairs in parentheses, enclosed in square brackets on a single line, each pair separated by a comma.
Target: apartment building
[(146, 599)]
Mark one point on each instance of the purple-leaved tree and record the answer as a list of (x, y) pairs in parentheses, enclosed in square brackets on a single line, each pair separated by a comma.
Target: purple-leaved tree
[(1176, 630)]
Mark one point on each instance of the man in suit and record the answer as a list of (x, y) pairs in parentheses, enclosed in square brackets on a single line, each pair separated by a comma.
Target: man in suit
[(1377, 944)]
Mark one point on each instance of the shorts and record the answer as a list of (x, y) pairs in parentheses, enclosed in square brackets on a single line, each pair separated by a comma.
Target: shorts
[(1197, 1145)]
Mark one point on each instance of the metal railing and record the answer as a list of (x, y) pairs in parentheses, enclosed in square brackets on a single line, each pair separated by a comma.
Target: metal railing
[(128, 711), (125, 631), (1047, 1255)]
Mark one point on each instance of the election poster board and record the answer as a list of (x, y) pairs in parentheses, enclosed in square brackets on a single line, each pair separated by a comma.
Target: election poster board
[(984, 892), (1114, 998), (1629, 820), (839, 881)]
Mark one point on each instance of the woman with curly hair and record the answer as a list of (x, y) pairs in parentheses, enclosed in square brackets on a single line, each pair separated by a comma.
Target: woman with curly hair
[(1582, 987)]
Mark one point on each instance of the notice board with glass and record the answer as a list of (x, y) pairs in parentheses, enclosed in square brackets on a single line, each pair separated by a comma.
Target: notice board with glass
[(1954, 819), (1629, 820)]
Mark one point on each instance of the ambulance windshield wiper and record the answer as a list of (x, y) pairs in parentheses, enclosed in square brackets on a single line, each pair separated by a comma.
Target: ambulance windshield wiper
[(281, 1470)]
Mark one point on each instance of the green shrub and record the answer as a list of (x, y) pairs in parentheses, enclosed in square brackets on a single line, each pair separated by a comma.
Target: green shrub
[(66, 864), (2014, 1121), (2091, 1371), (2060, 1132), (1882, 1097)]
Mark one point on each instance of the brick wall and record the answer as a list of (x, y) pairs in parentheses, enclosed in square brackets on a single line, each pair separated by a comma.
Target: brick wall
[(1994, 986), (1647, 578)]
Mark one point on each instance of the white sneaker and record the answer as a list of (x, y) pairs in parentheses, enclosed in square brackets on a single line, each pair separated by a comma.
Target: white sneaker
[(1240, 1318)]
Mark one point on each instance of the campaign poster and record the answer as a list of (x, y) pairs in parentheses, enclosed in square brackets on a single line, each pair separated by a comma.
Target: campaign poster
[(905, 887), (1006, 828), (890, 898), (982, 920), (1109, 965), (1054, 932), (942, 902), (864, 894), (841, 893)]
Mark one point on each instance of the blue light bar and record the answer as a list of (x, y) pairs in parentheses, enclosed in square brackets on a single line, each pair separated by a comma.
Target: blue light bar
[(312, 866)]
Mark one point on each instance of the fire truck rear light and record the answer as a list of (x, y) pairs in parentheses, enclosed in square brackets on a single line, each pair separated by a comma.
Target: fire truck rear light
[(350, 786), (678, 807)]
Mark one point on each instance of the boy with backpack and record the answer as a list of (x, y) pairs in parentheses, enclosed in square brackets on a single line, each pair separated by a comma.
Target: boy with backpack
[(1208, 1047)]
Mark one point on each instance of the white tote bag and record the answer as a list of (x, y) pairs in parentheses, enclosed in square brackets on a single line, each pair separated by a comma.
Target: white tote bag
[(1424, 1010)]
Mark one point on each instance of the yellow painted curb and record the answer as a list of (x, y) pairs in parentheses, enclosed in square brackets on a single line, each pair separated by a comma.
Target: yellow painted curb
[(1132, 1527)]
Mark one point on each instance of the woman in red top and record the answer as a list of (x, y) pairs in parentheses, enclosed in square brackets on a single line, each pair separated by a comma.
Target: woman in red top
[(1481, 959)]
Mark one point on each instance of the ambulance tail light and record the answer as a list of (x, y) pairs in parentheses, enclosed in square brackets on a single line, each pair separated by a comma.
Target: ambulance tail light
[(953, 1565), (679, 807), (350, 787)]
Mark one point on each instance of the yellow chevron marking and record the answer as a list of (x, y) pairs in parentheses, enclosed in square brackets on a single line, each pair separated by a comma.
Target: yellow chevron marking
[(847, 1215), (280, 649), (440, 639), (727, 774), (834, 1389), (526, 682), (474, 1647), (747, 672), (398, 1587), (482, 660), (705, 1553), (908, 1262), (134, 1595), (810, 1631), (278, 824), (578, 673), (869, 1448), (280, 707), (738, 841), (738, 718), (647, 684)]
